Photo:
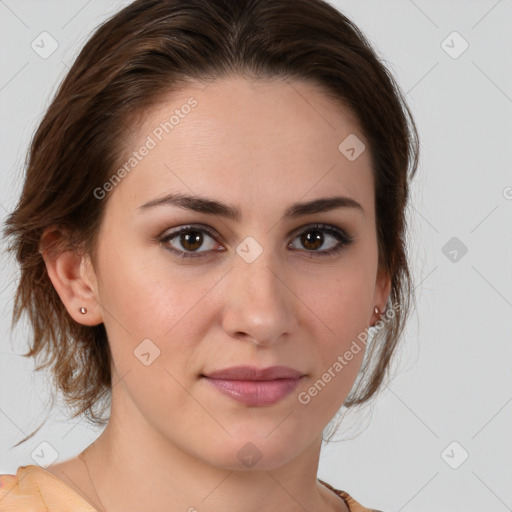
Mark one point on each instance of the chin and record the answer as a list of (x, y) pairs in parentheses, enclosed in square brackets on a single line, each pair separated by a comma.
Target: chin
[(252, 452)]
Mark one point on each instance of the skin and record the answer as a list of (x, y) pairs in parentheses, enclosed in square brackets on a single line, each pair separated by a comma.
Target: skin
[(172, 440)]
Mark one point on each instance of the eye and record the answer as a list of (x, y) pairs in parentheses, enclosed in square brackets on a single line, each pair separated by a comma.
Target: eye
[(187, 241), (332, 239)]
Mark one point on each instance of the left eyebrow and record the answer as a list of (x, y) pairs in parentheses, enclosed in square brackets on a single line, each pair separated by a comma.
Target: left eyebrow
[(212, 207), (320, 205)]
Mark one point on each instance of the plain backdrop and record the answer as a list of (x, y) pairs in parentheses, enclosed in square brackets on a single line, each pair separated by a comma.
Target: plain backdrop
[(438, 436)]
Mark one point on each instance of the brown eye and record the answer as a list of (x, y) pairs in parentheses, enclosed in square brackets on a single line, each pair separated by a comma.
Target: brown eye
[(187, 241), (329, 238), (312, 239), (191, 240)]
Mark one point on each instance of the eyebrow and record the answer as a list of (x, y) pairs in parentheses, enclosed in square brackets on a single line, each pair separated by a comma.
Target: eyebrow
[(212, 207)]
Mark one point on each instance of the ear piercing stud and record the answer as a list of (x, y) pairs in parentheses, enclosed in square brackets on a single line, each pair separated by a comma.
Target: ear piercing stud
[(84, 310)]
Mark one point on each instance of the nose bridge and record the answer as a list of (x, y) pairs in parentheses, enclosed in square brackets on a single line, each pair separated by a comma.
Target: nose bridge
[(259, 278), (259, 305), (255, 262)]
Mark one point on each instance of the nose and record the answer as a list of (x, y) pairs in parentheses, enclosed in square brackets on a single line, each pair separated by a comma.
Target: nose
[(260, 305)]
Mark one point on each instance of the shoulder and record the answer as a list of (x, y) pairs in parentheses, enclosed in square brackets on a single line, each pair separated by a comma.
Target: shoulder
[(352, 504), (33, 488)]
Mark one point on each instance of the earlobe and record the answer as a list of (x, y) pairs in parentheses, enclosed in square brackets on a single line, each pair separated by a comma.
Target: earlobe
[(382, 291), (72, 277)]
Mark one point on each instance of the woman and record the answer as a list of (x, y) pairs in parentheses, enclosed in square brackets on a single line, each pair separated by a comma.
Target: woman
[(212, 220)]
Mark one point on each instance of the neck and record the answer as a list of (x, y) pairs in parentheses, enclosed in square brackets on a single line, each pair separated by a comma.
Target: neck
[(130, 476)]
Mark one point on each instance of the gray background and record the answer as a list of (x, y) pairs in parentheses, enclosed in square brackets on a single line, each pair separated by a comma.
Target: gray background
[(453, 376)]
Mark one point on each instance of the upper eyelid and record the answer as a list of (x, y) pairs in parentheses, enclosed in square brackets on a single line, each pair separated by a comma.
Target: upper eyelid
[(189, 227)]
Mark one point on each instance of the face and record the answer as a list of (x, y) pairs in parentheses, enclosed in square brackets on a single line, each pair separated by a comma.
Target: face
[(186, 293)]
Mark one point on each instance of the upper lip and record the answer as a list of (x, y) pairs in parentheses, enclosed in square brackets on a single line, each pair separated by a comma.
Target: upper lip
[(253, 373)]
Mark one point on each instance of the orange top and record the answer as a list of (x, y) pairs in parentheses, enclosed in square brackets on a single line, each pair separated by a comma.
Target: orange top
[(33, 489)]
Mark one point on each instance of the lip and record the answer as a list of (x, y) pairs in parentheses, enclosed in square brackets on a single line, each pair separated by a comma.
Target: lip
[(253, 373), (253, 386)]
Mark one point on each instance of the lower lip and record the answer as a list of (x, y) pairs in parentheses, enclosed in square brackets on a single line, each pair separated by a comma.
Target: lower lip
[(255, 392)]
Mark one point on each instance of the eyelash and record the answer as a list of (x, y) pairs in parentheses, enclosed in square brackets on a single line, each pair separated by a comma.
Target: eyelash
[(343, 238)]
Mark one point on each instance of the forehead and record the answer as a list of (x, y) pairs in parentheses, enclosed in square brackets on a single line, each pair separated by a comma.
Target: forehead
[(249, 140)]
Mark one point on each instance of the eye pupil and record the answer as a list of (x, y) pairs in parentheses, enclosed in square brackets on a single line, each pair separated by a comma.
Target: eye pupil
[(316, 239), (191, 240)]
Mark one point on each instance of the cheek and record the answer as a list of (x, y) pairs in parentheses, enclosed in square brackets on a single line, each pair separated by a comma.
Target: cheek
[(341, 299), (143, 295), (339, 305), (152, 327), (339, 346), (145, 299)]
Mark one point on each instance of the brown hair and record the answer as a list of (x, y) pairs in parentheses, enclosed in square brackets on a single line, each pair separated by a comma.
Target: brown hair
[(147, 50)]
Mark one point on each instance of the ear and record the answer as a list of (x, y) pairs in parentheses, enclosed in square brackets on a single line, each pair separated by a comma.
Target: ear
[(382, 291), (73, 277)]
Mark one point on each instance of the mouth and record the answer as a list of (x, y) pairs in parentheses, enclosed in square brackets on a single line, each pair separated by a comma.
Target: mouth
[(255, 387)]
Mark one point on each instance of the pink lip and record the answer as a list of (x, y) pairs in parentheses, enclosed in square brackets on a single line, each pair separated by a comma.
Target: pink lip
[(255, 387)]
